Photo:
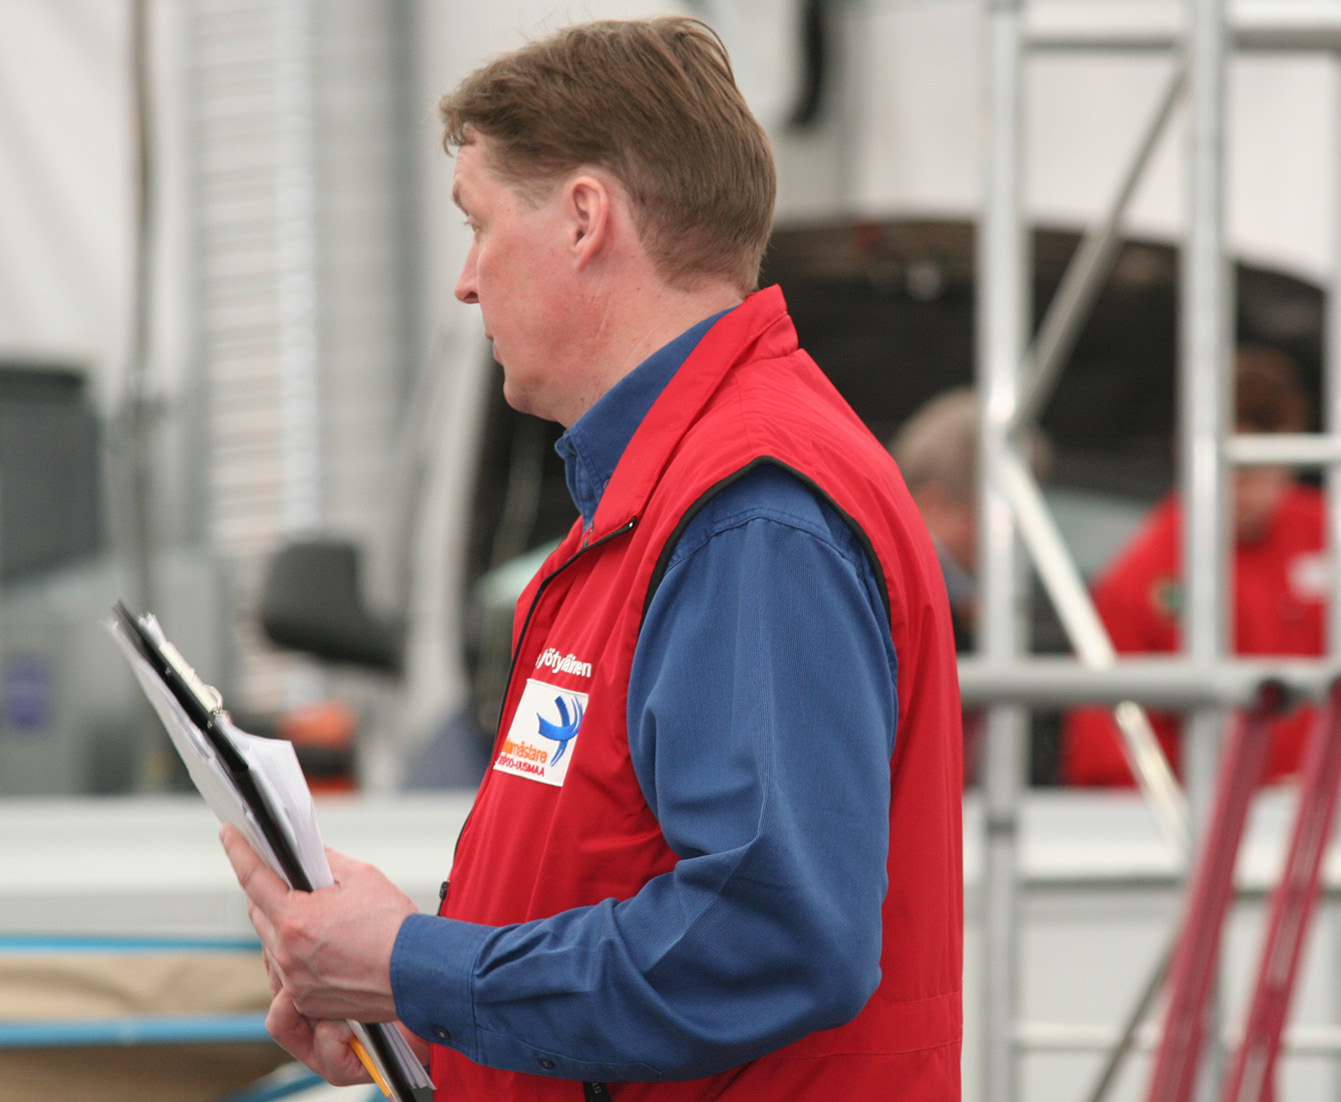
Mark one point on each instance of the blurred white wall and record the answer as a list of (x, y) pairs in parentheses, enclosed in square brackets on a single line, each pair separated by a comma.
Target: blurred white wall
[(67, 187)]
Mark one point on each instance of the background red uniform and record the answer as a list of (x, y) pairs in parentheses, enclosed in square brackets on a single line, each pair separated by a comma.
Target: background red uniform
[(1280, 586)]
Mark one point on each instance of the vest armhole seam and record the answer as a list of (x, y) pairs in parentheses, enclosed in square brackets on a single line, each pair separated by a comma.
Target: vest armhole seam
[(663, 559)]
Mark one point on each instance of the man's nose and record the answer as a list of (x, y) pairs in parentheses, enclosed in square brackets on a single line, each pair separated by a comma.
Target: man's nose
[(465, 284)]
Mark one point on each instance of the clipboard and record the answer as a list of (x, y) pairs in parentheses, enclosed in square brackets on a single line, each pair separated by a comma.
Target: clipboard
[(265, 796)]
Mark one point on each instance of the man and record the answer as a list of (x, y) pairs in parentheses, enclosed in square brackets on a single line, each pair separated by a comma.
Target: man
[(1279, 577), (717, 853), (937, 453), (936, 450)]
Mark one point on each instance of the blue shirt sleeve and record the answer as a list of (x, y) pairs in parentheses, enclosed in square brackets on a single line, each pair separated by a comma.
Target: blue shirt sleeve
[(761, 723)]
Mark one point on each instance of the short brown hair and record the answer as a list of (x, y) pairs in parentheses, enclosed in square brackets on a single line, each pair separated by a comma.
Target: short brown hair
[(1268, 393), (654, 103)]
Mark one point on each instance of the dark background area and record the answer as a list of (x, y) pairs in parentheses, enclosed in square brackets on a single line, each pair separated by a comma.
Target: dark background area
[(50, 481)]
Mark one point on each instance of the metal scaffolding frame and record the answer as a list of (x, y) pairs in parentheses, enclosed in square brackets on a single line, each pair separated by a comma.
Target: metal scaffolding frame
[(1015, 378)]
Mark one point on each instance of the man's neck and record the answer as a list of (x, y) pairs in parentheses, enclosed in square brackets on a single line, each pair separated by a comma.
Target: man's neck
[(631, 328)]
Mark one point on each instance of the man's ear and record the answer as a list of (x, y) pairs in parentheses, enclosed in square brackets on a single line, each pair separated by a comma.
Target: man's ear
[(589, 207)]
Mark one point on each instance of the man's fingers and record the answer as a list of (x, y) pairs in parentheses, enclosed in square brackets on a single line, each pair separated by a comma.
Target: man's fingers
[(291, 1031), (273, 976), (263, 887), (334, 1055), (322, 1046), (330, 949), (261, 923)]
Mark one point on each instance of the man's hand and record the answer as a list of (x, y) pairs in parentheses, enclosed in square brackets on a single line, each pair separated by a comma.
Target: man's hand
[(322, 1046), (328, 951)]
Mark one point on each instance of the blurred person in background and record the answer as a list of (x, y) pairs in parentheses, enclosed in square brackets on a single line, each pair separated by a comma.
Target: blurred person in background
[(937, 453), (717, 853), (1279, 575)]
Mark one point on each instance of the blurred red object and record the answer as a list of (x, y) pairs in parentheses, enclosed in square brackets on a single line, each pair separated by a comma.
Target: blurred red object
[(323, 736)]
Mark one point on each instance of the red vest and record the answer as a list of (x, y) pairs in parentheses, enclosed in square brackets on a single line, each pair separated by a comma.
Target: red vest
[(533, 847)]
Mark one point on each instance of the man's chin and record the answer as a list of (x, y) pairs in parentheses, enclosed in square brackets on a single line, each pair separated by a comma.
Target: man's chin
[(518, 397)]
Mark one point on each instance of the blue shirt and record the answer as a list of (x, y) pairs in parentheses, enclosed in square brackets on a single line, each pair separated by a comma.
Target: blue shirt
[(761, 717)]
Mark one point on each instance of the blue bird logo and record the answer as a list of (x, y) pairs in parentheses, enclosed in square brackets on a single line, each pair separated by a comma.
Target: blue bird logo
[(564, 731)]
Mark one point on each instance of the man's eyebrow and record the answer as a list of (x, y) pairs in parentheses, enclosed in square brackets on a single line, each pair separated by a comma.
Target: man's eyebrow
[(456, 194)]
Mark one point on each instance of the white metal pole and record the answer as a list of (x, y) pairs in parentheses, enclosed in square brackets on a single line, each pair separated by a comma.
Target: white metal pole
[(1091, 266), (1003, 310), (1075, 608), (1330, 422), (1331, 389), (1205, 318), (297, 295), (296, 204)]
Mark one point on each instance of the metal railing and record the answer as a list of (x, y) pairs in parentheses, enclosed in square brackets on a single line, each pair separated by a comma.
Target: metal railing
[(1016, 378)]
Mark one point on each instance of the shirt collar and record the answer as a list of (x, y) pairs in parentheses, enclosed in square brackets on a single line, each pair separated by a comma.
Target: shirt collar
[(592, 446)]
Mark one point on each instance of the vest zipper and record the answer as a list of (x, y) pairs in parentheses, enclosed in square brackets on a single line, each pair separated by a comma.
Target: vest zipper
[(540, 591), (623, 529), (535, 601)]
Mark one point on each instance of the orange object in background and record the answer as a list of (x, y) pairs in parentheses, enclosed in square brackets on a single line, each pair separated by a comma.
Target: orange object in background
[(323, 736)]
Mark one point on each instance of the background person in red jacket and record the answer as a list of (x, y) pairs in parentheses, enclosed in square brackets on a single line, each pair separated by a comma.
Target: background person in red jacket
[(1278, 573)]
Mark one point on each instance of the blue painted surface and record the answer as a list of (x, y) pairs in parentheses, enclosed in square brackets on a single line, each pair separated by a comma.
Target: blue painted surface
[(38, 943), (147, 1030), (284, 1083)]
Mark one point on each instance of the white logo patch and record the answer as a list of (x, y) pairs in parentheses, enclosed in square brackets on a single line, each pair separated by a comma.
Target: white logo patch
[(543, 735), (1310, 576)]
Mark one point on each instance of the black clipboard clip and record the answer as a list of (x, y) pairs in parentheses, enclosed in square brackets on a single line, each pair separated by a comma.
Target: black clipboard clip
[(203, 705)]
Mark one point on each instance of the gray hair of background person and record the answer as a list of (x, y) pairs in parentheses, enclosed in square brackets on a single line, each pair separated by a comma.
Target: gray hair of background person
[(939, 444)]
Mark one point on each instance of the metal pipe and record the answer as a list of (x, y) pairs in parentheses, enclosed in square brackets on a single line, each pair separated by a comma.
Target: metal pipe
[(1331, 419), (139, 414), (1003, 309), (137, 427), (1126, 1041), (296, 229), (1205, 325), (1124, 41), (1061, 1037), (1319, 37), (1174, 684), (1331, 391), (1089, 637), (1288, 449), (297, 296), (1090, 267)]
